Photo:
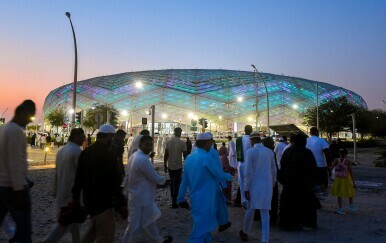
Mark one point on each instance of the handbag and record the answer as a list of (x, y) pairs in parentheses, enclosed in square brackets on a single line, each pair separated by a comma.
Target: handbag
[(72, 214)]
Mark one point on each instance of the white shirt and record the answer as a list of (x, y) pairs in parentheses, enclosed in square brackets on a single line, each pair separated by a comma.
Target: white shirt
[(286, 147), (232, 154), (134, 145), (260, 176), (316, 145), (13, 156), (141, 179), (66, 164), (279, 149)]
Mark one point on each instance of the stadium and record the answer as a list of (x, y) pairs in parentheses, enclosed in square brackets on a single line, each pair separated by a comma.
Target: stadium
[(226, 98)]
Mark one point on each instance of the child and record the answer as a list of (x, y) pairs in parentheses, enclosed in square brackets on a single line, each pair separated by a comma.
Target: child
[(344, 183)]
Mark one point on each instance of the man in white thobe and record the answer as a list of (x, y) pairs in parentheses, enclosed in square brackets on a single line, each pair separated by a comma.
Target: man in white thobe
[(232, 153), (140, 185), (66, 163), (246, 144), (135, 144), (259, 179), (279, 149)]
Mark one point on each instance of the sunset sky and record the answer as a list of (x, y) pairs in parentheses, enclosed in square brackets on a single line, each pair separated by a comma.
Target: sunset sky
[(339, 42)]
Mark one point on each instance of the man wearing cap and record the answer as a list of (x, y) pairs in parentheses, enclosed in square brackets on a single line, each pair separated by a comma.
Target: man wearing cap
[(14, 191), (232, 153), (97, 177), (280, 148), (259, 180), (202, 179), (222, 209)]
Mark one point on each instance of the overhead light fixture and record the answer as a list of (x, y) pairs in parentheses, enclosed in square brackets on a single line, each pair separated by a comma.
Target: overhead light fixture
[(138, 84)]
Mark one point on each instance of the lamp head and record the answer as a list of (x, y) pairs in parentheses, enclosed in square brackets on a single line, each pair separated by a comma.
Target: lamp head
[(68, 14)]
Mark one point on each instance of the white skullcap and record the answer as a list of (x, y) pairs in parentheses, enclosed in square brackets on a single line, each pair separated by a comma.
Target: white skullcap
[(203, 136), (107, 128)]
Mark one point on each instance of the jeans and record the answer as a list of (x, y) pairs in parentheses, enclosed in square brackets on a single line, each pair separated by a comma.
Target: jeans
[(22, 217), (175, 181)]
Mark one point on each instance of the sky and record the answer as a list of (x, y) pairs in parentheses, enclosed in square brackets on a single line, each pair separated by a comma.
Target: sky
[(338, 42)]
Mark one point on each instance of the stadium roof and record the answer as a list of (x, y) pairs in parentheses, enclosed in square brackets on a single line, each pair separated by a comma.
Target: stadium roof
[(205, 93)]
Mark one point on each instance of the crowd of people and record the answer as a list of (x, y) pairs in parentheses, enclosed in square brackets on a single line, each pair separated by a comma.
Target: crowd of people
[(93, 182)]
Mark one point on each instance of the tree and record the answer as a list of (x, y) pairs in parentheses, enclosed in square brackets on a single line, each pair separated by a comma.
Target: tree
[(377, 123), (89, 120), (56, 117), (333, 115), (33, 127)]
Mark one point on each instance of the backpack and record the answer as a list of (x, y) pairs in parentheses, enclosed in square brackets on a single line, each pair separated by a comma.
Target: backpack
[(341, 169)]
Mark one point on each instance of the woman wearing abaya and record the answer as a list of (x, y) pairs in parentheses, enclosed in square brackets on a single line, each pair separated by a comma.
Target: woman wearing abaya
[(298, 203)]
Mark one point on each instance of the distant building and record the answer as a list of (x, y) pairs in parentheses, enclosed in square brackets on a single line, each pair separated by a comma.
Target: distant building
[(225, 97)]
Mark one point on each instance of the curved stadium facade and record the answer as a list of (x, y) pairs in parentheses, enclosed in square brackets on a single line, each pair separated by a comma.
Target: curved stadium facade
[(211, 94)]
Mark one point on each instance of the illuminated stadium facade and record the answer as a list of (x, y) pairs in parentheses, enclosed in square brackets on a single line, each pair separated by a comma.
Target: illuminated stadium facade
[(226, 98)]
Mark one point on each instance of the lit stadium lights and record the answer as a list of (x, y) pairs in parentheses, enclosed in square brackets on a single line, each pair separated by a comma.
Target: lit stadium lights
[(164, 116), (124, 113), (239, 99), (295, 106), (138, 84), (192, 116)]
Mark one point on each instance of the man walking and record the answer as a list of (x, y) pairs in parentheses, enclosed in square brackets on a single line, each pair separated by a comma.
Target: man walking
[(14, 191), (175, 149), (242, 145), (259, 180), (135, 143), (320, 149), (232, 153), (280, 148), (97, 177), (141, 181), (66, 164), (117, 148), (202, 179)]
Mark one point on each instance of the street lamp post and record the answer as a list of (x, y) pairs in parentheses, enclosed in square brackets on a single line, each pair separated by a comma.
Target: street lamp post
[(317, 105), (75, 72), (152, 113), (267, 97), (354, 136)]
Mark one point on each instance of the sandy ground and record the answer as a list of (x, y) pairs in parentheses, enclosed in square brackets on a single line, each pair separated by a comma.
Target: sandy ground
[(366, 225)]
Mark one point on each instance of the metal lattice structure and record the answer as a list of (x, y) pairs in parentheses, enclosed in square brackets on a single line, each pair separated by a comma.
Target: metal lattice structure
[(205, 93)]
